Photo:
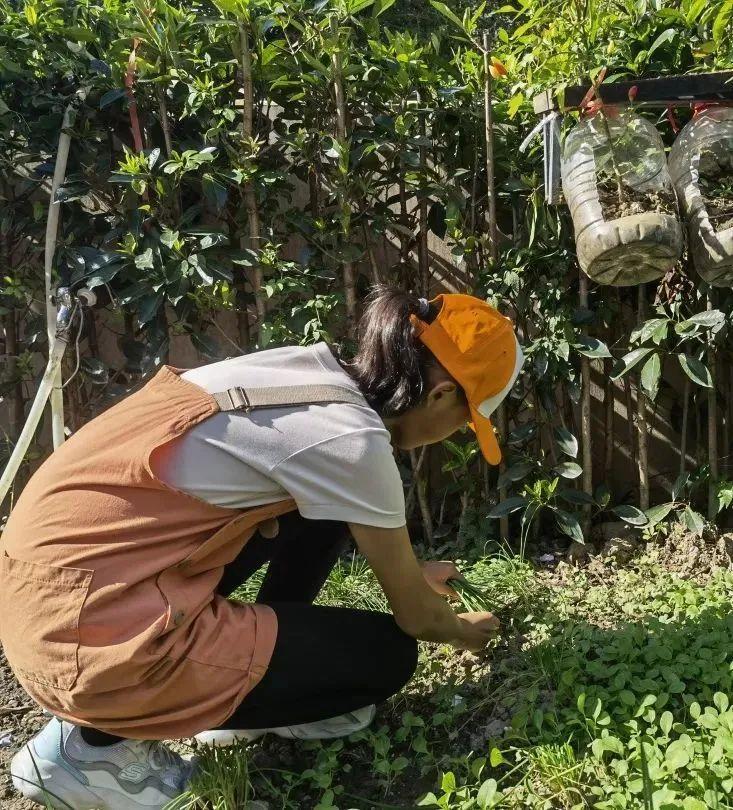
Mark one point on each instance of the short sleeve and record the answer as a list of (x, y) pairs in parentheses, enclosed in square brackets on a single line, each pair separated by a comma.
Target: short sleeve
[(351, 477)]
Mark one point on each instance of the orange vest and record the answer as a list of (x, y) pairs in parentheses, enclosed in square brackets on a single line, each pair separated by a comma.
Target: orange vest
[(108, 611)]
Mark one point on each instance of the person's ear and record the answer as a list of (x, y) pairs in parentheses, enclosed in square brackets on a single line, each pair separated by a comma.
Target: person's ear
[(440, 390)]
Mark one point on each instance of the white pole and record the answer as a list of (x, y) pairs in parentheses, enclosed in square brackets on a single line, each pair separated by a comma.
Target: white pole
[(52, 226), (34, 415)]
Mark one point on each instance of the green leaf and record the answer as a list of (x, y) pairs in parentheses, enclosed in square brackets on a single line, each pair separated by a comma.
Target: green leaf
[(516, 472), (678, 753), (448, 783), (650, 375), (631, 515), (381, 6), (655, 329), (566, 442), (508, 506), (591, 347), (446, 12), (722, 21), (690, 803), (694, 521), (487, 794), (569, 525), (708, 319), (111, 96), (568, 469), (144, 261), (695, 370), (496, 758), (628, 361), (657, 514), (721, 701), (576, 497), (665, 722), (665, 36)]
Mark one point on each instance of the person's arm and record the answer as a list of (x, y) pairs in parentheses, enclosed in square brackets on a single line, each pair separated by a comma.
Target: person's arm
[(417, 608)]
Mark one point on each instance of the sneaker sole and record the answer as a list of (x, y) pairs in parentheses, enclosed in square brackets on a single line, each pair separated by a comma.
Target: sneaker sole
[(51, 786)]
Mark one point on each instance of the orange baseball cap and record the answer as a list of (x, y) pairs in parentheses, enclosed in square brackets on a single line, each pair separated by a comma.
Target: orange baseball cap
[(477, 346)]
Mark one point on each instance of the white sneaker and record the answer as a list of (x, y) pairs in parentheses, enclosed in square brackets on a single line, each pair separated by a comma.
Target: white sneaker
[(329, 729), (58, 769)]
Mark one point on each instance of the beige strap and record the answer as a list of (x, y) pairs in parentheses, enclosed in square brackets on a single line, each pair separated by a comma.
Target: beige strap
[(284, 396)]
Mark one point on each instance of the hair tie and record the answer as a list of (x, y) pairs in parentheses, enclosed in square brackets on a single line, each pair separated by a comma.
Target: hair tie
[(423, 308)]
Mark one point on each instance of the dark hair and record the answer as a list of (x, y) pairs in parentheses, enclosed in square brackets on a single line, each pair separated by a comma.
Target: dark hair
[(391, 364)]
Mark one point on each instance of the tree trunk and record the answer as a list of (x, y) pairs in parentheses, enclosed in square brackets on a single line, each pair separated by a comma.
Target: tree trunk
[(585, 416), (250, 195), (349, 273)]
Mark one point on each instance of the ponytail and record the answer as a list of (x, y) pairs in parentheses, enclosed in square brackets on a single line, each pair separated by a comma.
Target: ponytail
[(391, 364)]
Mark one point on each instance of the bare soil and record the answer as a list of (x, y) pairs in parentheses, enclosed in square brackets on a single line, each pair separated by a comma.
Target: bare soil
[(631, 201)]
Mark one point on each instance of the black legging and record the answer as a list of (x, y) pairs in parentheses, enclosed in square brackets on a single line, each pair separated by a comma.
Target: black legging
[(327, 661)]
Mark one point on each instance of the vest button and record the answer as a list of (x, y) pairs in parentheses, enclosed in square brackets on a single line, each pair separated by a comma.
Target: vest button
[(178, 617)]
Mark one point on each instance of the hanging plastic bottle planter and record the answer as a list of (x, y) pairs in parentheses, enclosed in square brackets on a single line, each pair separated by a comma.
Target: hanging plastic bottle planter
[(701, 165), (616, 182)]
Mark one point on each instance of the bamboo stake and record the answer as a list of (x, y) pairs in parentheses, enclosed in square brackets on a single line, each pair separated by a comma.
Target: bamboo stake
[(585, 420), (349, 274), (52, 227), (250, 196), (501, 416), (641, 423), (712, 423)]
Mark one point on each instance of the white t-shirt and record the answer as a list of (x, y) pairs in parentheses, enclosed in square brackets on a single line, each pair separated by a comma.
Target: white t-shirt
[(335, 460)]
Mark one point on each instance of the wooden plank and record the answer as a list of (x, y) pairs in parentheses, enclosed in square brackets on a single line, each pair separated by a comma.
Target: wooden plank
[(696, 87)]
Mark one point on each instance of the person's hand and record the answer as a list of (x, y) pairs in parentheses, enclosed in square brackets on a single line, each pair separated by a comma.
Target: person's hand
[(437, 575), (269, 528), (478, 630)]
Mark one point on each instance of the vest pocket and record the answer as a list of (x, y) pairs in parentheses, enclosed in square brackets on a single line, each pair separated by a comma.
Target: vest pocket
[(40, 607)]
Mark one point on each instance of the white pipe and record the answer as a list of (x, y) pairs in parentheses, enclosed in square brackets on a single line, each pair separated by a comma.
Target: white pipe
[(52, 226), (34, 415)]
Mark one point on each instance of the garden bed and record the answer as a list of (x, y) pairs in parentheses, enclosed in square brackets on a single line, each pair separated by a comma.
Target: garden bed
[(591, 662)]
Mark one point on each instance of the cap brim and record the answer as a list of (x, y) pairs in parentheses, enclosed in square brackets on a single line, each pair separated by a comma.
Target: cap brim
[(485, 436)]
